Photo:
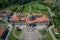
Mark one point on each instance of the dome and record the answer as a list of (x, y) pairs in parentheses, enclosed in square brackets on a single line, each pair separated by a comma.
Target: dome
[(30, 16)]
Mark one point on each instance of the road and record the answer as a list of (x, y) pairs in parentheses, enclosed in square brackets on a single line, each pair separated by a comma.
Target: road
[(52, 35), (52, 25), (30, 35)]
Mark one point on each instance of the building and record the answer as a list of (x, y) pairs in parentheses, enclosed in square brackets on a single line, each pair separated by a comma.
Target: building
[(3, 33), (29, 18), (56, 31), (5, 14)]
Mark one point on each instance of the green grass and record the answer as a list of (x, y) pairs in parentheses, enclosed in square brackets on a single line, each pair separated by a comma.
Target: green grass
[(34, 6), (26, 9), (13, 8), (57, 36), (36, 11), (2, 22), (17, 32), (46, 13), (56, 21), (11, 36), (42, 7), (48, 37), (41, 32)]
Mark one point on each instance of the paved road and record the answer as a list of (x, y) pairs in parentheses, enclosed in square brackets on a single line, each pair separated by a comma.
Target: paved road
[(52, 33), (30, 35), (51, 26)]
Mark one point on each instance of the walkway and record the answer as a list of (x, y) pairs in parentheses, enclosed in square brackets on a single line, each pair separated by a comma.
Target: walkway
[(49, 10)]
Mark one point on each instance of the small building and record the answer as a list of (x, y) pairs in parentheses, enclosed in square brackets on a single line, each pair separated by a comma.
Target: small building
[(3, 33), (5, 14), (56, 31)]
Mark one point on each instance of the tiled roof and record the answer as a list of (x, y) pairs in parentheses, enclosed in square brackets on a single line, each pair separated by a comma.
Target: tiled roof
[(38, 18), (23, 19), (1, 30), (5, 12), (15, 17), (56, 30)]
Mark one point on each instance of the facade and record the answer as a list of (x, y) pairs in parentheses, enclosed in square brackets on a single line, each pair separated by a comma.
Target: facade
[(3, 33), (29, 18)]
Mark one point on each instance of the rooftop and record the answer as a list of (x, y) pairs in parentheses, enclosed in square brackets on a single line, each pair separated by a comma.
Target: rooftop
[(2, 29), (37, 18), (15, 17), (56, 30), (5, 12)]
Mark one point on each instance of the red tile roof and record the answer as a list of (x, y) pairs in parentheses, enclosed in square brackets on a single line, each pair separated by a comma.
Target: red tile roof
[(1, 30), (56, 30), (15, 17), (5, 12), (41, 18)]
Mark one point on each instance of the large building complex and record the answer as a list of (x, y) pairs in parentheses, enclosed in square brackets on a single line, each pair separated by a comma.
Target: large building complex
[(29, 18)]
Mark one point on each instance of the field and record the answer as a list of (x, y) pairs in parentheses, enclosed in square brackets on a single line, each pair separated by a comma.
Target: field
[(11, 36)]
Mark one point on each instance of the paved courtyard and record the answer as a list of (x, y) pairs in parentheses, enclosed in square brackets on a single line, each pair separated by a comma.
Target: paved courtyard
[(30, 35)]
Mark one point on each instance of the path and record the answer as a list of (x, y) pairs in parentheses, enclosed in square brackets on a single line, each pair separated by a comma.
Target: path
[(49, 10)]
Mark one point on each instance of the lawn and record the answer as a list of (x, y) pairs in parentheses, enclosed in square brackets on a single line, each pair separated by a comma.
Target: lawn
[(46, 13), (36, 11), (48, 36), (26, 9), (56, 21), (2, 22), (17, 32), (41, 32), (13, 8), (11, 37), (57, 36), (41, 7), (35, 7)]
